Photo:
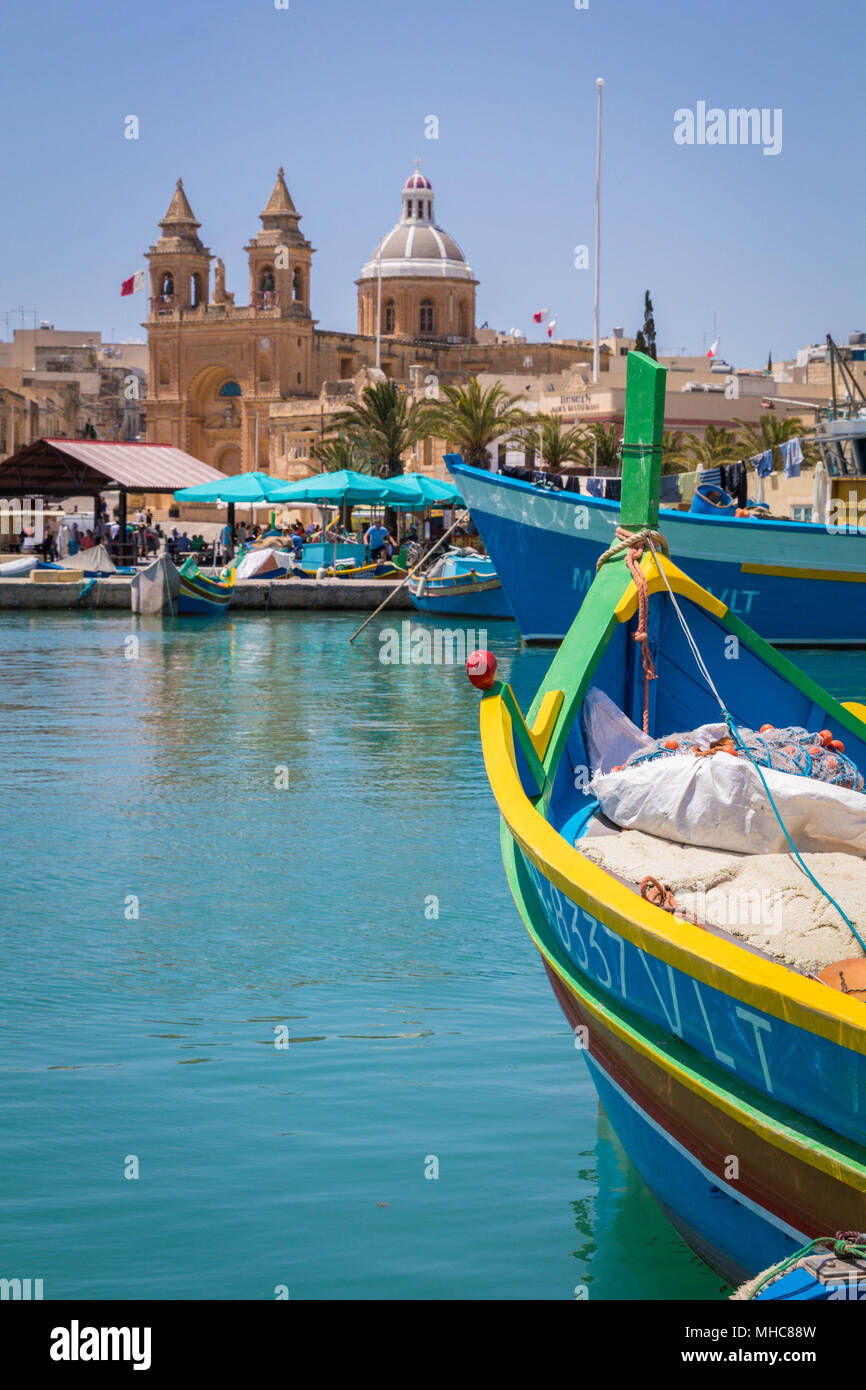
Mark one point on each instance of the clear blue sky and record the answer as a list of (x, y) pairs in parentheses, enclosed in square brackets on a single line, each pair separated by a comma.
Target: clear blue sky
[(337, 91)]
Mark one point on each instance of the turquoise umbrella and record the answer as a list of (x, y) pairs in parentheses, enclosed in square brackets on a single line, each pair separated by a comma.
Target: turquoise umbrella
[(344, 485), (243, 488), (430, 492)]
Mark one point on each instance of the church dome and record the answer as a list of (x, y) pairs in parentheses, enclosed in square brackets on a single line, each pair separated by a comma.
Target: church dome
[(417, 246)]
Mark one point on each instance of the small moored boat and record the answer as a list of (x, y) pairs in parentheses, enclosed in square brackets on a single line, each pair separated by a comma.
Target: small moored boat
[(463, 583), (202, 595)]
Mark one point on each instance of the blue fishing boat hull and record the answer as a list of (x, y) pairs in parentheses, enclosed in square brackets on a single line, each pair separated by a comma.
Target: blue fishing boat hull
[(794, 583), (471, 603), (201, 595)]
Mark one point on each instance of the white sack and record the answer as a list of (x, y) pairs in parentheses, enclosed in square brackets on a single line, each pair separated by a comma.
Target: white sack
[(611, 737), (720, 802)]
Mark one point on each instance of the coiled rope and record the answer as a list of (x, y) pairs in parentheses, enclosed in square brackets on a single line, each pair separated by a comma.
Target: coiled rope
[(844, 1243), (633, 544)]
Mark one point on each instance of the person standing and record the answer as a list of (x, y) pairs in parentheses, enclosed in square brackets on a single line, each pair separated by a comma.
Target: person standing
[(376, 538)]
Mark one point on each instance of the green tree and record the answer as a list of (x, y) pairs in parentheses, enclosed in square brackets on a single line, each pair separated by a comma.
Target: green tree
[(384, 425), (603, 446), (646, 335), (674, 458), (769, 433), (471, 420), (335, 452), (556, 446), (718, 446)]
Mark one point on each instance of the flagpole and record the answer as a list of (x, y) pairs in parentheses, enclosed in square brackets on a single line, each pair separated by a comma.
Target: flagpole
[(379, 313), (599, 82)]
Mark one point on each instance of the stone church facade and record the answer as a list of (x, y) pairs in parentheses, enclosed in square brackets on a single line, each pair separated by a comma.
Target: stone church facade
[(251, 386)]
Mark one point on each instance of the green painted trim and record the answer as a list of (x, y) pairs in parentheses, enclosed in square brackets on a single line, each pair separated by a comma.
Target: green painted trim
[(520, 727), (642, 440), (665, 1045), (793, 674)]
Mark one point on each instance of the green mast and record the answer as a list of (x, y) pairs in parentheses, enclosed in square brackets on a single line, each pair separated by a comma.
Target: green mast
[(642, 442)]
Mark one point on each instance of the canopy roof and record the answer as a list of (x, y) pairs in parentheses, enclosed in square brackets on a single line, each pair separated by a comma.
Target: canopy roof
[(64, 467)]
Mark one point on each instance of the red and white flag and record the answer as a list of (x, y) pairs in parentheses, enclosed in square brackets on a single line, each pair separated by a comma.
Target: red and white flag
[(550, 328), (539, 315), (134, 283), (714, 349)]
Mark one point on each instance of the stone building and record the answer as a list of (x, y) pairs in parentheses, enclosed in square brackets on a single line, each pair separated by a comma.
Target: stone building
[(253, 385)]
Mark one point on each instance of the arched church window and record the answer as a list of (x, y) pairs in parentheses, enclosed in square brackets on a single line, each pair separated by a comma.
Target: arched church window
[(426, 317), (463, 319), (195, 291), (389, 316), (297, 285), (167, 284), (229, 388), (267, 282)]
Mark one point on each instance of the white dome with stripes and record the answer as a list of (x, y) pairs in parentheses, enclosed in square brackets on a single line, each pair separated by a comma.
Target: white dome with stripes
[(417, 246)]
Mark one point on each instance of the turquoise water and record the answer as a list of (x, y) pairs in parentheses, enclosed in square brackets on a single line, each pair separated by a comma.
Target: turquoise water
[(167, 907)]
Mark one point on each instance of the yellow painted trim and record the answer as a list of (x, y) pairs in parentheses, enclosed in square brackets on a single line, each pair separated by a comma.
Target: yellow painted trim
[(769, 1130), (773, 988), (787, 572), (627, 606), (858, 710), (545, 721)]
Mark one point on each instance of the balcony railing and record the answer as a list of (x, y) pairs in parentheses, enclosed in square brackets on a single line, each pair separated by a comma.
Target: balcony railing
[(163, 303), (266, 299)]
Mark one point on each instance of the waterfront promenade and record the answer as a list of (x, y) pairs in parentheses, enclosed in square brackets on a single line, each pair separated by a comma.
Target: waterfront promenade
[(250, 594)]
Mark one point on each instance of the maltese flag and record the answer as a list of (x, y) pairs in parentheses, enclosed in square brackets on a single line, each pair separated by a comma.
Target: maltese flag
[(133, 284), (550, 328), (713, 349), (539, 315)]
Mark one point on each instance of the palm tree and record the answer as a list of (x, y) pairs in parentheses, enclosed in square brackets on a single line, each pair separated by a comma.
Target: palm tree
[(718, 446), (471, 419), (556, 446), (335, 452), (770, 432), (384, 424), (674, 459), (603, 445)]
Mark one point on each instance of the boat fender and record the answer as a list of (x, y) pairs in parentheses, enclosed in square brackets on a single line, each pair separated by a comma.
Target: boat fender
[(849, 976)]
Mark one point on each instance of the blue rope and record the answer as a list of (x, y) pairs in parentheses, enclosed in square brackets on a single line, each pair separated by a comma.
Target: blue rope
[(735, 734)]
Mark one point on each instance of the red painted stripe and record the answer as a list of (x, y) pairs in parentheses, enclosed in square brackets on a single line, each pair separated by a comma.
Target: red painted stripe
[(797, 1217)]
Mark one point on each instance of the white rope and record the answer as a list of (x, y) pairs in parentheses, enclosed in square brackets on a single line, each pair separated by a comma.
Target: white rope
[(685, 627)]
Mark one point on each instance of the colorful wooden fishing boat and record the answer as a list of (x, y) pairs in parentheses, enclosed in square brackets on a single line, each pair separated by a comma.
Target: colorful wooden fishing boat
[(201, 594), (462, 584), (796, 583), (736, 1084)]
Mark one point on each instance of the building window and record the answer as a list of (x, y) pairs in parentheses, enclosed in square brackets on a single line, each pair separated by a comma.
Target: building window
[(426, 317), (389, 316), (267, 284), (297, 286), (299, 378), (229, 388), (345, 368), (801, 513), (195, 291)]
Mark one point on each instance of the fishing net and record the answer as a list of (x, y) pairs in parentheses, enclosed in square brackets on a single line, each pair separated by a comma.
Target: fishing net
[(794, 750)]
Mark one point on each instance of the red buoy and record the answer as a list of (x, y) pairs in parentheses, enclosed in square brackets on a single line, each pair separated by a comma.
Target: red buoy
[(826, 737), (766, 728), (838, 745), (481, 669), (672, 744)]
